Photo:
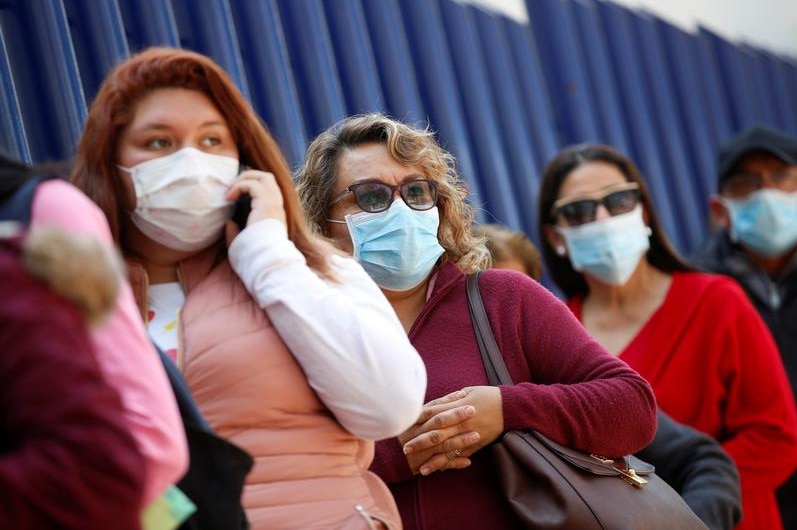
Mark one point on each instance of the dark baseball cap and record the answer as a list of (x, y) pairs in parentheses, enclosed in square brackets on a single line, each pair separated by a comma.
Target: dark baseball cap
[(757, 138)]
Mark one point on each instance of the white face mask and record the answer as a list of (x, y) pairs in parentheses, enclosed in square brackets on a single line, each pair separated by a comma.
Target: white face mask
[(181, 198), (608, 249)]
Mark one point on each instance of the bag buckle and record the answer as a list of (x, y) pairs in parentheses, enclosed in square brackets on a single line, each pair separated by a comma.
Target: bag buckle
[(627, 474), (632, 478)]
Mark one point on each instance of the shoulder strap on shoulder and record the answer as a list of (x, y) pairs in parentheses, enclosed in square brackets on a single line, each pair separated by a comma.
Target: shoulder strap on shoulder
[(497, 372)]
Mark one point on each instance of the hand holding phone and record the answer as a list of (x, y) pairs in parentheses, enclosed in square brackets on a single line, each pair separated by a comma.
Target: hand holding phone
[(260, 190)]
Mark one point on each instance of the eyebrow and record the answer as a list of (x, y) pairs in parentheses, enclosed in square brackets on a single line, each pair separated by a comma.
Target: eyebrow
[(414, 176), (758, 172), (408, 178)]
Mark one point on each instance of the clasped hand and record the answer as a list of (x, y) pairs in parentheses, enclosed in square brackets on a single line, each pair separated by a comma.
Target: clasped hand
[(452, 428)]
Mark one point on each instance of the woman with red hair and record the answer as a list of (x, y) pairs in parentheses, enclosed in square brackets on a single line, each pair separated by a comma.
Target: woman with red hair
[(288, 347)]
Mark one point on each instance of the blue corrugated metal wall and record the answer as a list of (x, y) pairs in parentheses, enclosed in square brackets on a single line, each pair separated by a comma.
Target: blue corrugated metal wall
[(502, 96)]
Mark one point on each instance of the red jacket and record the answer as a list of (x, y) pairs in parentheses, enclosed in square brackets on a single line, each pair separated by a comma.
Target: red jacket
[(714, 366), (67, 458), (569, 388)]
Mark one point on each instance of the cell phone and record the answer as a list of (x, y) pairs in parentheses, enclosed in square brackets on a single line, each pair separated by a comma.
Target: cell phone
[(243, 205)]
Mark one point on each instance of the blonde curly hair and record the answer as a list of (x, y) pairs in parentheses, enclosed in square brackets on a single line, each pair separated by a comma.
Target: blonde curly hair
[(317, 176)]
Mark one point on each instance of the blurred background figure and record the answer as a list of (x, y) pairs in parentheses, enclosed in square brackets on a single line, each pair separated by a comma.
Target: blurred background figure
[(695, 337), (39, 198), (511, 249), (690, 461), (68, 458), (215, 475), (755, 211), (389, 194), (288, 347)]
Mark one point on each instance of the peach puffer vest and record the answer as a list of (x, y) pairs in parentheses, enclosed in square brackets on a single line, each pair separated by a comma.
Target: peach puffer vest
[(309, 471)]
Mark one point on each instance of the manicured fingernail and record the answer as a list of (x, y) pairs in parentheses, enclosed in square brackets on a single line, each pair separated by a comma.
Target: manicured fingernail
[(461, 394), (470, 409), (474, 437), (425, 470), (407, 449)]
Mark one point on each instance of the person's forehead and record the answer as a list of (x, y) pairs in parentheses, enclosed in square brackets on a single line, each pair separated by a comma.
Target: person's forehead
[(371, 162), (759, 161), (591, 178)]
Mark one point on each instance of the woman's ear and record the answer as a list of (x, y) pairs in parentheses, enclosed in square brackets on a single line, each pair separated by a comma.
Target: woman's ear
[(718, 212), (555, 239)]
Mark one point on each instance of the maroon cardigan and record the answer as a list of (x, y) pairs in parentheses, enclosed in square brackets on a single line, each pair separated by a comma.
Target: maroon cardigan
[(567, 387), (67, 459)]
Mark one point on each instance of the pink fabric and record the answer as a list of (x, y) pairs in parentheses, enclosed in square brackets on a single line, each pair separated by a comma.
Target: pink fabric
[(124, 352), (309, 472), (68, 459)]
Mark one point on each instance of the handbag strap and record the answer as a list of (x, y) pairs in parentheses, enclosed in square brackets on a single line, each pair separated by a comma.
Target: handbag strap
[(494, 365), (497, 373)]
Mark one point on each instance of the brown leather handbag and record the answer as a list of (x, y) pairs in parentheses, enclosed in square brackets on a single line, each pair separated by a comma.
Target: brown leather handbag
[(550, 486)]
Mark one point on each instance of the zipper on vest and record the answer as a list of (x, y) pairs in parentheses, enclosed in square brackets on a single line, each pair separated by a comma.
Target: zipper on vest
[(179, 358), (366, 516)]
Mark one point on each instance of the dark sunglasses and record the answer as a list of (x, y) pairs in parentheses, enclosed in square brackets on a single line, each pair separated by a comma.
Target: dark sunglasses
[(375, 197), (578, 211)]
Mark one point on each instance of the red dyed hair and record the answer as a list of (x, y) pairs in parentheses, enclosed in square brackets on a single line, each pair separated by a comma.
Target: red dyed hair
[(114, 106)]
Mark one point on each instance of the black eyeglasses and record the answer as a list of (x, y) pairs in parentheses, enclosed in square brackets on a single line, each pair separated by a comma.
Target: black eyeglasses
[(375, 197), (578, 211)]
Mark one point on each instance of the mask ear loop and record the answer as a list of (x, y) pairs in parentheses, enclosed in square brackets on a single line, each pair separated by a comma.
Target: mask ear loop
[(729, 205)]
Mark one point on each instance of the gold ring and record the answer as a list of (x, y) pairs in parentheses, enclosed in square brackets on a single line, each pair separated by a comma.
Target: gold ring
[(457, 452)]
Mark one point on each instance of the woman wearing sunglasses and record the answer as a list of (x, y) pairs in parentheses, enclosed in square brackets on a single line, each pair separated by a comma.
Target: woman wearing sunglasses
[(389, 195), (695, 337)]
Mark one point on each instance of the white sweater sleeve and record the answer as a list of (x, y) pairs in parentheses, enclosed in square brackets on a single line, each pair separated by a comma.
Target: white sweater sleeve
[(345, 335)]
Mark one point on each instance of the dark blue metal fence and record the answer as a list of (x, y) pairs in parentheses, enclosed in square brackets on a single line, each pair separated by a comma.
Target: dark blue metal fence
[(503, 96)]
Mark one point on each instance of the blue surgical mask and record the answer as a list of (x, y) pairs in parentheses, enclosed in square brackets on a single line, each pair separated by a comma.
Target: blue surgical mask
[(608, 249), (398, 247), (765, 222)]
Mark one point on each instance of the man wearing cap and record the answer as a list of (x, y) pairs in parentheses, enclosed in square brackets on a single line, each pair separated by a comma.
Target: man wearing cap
[(756, 243)]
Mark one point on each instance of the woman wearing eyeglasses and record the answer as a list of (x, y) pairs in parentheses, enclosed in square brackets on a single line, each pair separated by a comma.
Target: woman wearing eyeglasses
[(389, 195), (288, 347), (695, 337)]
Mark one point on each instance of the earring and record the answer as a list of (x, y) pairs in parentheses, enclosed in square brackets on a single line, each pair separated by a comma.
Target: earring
[(649, 230), (560, 250)]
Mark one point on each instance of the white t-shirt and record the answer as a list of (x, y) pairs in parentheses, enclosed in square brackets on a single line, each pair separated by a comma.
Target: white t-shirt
[(165, 302)]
